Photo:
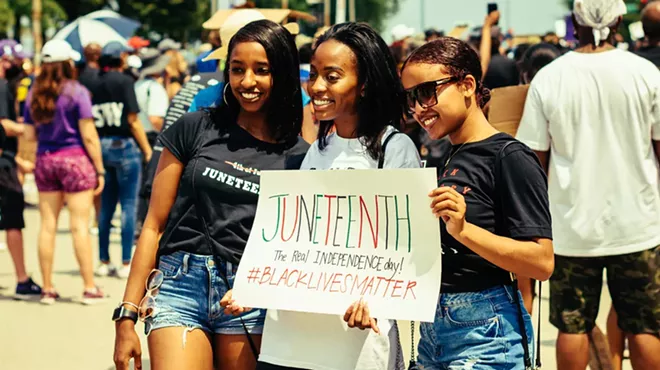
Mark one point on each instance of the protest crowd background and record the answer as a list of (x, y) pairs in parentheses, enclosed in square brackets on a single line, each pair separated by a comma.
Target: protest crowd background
[(94, 95)]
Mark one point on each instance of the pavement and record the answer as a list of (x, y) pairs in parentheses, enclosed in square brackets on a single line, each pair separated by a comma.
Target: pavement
[(68, 335)]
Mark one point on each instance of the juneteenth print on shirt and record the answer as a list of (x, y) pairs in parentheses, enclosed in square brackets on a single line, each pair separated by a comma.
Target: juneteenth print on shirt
[(325, 342)]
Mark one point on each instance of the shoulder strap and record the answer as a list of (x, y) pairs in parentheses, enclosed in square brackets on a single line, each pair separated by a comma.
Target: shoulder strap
[(514, 282), (381, 158)]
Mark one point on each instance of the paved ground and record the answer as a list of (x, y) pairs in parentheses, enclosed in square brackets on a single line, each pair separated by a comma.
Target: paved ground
[(68, 335)]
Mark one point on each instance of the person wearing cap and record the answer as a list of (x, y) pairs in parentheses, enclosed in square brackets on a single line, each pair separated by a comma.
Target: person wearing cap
[(651, 25), (177, 67), (125, 146), (12, 202), (593, 117), (69, 168)]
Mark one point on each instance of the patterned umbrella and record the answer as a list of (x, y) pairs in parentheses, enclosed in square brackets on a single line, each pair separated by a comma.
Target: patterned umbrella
[(101, 27)]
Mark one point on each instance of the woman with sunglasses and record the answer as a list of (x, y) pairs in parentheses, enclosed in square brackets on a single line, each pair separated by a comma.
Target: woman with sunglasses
[(355, 88), (203, 205), (493, 203)]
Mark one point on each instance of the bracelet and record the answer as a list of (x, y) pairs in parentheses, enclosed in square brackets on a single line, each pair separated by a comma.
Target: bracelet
[(130, 304)]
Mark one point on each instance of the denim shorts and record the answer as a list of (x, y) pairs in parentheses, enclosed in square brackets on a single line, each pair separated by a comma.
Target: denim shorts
[(476, 330), (190, 297)]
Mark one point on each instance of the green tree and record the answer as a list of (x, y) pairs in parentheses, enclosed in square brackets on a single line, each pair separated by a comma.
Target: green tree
[(12, 10)]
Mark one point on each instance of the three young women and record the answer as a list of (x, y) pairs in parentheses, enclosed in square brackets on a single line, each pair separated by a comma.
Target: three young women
[(495, 221), (202, 207), (355, 89)]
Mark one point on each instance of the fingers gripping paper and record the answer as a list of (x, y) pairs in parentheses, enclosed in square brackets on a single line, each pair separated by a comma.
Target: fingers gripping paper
[(323, 239)]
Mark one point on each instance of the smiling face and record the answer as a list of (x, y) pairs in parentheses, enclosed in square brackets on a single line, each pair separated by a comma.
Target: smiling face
[(333, 81), (249, 76), (450, 111)]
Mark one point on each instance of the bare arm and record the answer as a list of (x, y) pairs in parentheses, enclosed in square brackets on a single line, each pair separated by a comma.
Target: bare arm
[(157, 122), (12, 128), (486, 41), (533, 259), (27, 149), (544, 157), (91, 142), (166, 183), (140, 136)]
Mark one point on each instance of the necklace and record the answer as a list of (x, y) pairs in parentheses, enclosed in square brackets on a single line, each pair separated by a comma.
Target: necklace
[(453, 154)]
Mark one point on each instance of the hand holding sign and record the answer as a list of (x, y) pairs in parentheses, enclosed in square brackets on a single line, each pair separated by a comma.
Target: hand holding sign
[(450, 205), (231, 308), (358, 316)]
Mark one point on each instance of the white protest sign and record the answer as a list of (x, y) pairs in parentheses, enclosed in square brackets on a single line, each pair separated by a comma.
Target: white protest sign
[(323, 239)]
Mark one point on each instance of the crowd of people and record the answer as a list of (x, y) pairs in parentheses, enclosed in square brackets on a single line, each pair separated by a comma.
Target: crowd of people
[(180, 149)]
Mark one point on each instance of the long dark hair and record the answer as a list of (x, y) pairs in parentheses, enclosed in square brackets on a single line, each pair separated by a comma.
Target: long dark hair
[(284, 106), (457, 57), (382, 101), (47, 88), (535, 58)]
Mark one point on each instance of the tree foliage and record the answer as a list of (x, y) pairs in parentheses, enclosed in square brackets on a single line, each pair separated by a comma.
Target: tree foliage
[(11, 12)]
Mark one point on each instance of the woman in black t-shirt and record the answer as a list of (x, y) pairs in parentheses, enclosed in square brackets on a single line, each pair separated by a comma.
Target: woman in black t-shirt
[(203, 203), (493, 202)]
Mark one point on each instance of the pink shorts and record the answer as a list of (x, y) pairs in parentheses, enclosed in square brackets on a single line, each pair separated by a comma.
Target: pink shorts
[(68, 170)]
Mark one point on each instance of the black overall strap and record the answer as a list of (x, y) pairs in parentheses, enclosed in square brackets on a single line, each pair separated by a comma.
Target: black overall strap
[(381, 158), (514, 284)]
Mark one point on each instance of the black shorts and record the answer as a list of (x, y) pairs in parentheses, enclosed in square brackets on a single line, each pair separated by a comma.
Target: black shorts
[(12, 202)]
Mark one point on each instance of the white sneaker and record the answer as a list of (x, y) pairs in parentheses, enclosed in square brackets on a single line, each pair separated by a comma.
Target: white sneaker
[(105, 269), (123, 271)]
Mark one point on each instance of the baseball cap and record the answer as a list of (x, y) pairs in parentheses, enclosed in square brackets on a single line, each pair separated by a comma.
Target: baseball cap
[(401, 31), (168, 44), (58, 51), (237, 20), (137, 42), (114, 49)]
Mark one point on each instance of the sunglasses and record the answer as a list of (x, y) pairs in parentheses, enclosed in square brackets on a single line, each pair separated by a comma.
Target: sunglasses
[(426, 94), (148, 303)]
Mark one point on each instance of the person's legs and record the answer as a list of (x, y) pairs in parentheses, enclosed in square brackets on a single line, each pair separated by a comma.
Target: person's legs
[(616, 339), (633, 282), (180, 348), (575, 289), (234, 351), (109, 199), (15, 245), (50, 205), (80, 207), (128, 176)]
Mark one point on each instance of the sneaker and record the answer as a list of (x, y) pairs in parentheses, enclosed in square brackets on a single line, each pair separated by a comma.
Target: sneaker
[(123, 271), (105, 269), (27, 291), (94, 296), (49, 297)]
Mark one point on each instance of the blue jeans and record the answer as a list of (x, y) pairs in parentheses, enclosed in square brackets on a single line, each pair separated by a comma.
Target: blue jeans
[(476, 331), (190, 297), (123, 163)]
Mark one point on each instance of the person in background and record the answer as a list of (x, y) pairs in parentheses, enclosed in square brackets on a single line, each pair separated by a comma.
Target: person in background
[(124, 145), (176, 69), (593, 118), (651, 24), (492, 206), (151, 95), (69, 168), (90, 73), (305, 55), (432, 34), (12, 202), (500, 71), (198, 226)]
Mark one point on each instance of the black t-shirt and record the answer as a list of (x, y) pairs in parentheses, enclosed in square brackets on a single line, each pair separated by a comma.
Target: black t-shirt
[(502, 72), (651, 53), (113, 99), (517, 204), (8, 111), (221, 175), (89, 77)]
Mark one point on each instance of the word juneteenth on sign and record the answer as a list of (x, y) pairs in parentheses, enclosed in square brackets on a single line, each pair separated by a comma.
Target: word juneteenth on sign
[(348, 221)]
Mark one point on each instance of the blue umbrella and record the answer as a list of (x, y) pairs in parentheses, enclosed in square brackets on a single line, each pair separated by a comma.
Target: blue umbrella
[(101, 27)]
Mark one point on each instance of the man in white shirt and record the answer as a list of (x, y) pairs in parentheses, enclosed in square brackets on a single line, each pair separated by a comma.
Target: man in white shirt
[(151, 95), (593, 117)]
